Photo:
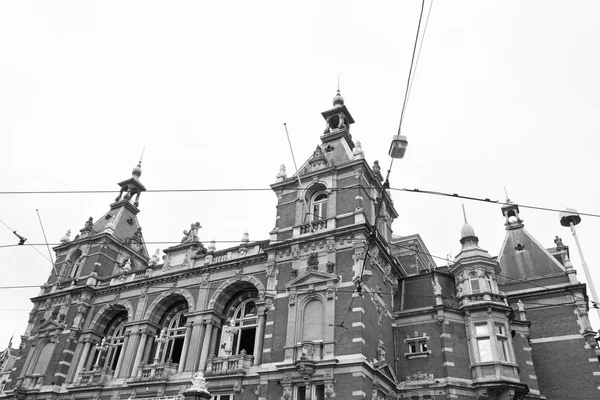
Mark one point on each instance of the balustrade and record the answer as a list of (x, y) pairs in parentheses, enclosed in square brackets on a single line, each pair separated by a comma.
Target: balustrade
[(155, 372), (313, 226), (238, 363), (95, 377)]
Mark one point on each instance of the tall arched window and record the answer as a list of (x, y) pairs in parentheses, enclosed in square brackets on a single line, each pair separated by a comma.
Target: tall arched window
[(115, 347), (77, 267), (43, 359), (240, 332), (175, 336), (313, 321), (318, 206)]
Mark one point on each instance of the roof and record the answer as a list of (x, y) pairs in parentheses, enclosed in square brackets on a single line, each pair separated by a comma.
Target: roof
[(521, 258)]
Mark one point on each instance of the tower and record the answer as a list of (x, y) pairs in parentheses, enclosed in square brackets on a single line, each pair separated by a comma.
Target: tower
[(544, 285), (493, 360), (320, 248)]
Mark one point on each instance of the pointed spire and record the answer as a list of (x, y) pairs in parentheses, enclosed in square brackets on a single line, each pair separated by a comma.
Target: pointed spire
[(338, 100), (467, 230), (137, 171)]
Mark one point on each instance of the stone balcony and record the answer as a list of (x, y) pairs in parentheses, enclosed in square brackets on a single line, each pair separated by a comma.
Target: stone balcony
[(93, 378), (310, 350), (482, 297), (154, 372), (31, 381), (236, 364)]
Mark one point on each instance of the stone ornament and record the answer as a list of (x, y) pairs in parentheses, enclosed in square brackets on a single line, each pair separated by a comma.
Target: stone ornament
[(66, 238), (281, 175), (199, 383), (191, 236), (358, 151)]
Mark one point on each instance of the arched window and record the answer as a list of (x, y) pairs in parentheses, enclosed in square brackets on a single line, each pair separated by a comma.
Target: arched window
[(318, 206), (474, 282), (313, 321), (175, 336), (488, 283), (43, 359), (72, 265), (240, 331), (115, 346)]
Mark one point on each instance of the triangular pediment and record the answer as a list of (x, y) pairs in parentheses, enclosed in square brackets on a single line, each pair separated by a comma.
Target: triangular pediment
[(48, 326), (312, 277), (385, 369)]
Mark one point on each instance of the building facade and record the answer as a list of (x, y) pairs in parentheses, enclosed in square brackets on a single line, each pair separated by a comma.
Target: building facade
[(332, 305)]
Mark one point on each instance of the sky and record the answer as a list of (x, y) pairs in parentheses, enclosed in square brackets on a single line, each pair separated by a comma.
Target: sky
[(505, 95)]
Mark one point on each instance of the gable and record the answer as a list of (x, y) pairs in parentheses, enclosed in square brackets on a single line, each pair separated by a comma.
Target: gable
[(523, 258), (311, 277)]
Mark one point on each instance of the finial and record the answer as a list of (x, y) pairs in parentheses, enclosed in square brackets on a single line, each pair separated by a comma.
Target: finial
[(464, 213), (506, 194), (142, 156), (338, 100)]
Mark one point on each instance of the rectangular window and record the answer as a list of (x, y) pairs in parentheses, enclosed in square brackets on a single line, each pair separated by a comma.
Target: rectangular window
[(501, 343), (317, 392), (417, 347), (228, 396), (484, 345)]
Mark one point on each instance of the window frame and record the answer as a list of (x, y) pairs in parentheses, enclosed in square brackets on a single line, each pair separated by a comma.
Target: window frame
[(176, 330), (419, 345), (313, 391), (498, 342), (115, 347), (243, 322), (321, 214)]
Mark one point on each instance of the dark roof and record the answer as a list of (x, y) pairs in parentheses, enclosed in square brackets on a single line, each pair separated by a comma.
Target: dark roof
[(523, 258)]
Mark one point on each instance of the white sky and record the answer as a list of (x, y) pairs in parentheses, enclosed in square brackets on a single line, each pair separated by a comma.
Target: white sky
[(506, 94)]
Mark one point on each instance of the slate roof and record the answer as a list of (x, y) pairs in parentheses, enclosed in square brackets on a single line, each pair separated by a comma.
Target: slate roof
[(522, 258)]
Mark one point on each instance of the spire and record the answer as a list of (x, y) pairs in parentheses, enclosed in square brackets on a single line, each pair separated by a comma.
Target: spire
[(338, 100), (467, 231), (469, 242), (131, 188)]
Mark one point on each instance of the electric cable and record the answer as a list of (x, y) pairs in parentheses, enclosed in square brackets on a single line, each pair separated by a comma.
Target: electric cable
[(415, 191)]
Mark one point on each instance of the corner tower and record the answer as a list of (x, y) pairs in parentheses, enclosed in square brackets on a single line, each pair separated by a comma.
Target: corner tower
[(319, 250), (490, 345)]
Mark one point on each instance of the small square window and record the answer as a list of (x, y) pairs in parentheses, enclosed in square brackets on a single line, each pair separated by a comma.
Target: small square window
[(417, 347)]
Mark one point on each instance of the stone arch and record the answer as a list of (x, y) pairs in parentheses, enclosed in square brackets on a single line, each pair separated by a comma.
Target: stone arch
[(162, 303), (108, 312), (223, 294)]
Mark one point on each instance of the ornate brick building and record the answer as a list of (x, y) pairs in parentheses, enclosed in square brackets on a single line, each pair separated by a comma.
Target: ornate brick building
[(331, 305)]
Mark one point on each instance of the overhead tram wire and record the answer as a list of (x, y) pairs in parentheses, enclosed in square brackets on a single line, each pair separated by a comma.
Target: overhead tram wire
[(373, 231), (415, 191)]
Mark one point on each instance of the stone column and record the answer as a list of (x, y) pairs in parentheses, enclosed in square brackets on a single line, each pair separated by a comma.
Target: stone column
[(199, 347), (140, 352), (205, 347), (84, 356), (213, 342), (90, 361), (121, 356), (184, 349), (258, 339)]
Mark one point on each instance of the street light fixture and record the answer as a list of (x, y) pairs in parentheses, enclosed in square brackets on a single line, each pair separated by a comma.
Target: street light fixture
[(398, 146), (569, 217)]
